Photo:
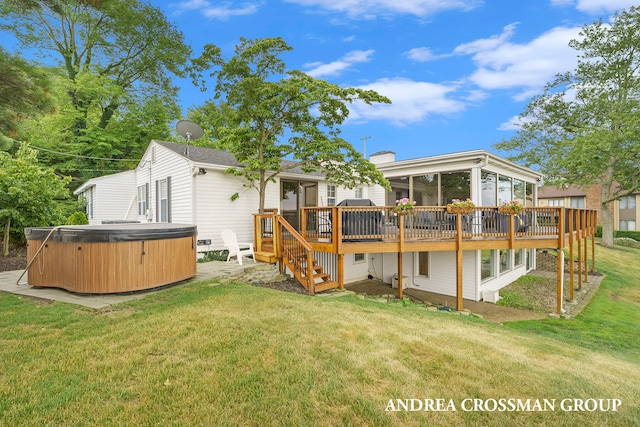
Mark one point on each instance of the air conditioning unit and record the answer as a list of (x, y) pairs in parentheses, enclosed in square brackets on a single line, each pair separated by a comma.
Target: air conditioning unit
[(490, 296)]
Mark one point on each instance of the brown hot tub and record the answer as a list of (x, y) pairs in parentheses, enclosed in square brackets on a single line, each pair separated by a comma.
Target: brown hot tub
[(111, 258)]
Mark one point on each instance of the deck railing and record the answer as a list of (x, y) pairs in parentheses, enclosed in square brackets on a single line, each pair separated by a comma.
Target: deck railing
[(297, 254), (373, 223)]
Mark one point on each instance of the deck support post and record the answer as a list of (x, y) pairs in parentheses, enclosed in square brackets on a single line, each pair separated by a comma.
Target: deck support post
[(571, 262), (341, 271), (459, 263), (560, 280), (400, 275)]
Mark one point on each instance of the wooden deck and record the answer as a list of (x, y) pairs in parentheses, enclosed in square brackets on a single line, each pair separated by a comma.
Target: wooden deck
[(373, 229)]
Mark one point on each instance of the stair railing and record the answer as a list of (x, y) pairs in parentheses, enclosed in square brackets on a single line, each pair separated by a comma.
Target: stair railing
[(297, 254)]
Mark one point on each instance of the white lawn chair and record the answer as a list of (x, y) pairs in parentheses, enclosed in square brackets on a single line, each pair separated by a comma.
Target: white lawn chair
[(236, 249)]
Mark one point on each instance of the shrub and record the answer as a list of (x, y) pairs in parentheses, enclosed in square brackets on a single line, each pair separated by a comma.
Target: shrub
[(77, 218), (219, 255)]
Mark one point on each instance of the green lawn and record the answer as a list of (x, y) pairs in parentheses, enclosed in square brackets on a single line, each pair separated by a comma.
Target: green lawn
[(611, 321), (241, 355)]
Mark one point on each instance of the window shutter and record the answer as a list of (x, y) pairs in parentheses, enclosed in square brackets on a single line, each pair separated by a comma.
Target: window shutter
[(168, 199), (157, 201)]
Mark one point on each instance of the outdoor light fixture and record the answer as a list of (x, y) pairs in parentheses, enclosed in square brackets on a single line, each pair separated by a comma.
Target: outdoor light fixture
[(201, 171)]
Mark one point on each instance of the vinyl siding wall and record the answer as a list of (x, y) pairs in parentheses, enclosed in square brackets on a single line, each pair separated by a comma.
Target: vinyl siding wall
[(113, 197), (216, 211)]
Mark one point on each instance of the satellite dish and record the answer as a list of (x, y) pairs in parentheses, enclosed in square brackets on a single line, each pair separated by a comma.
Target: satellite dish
[(189, 130)]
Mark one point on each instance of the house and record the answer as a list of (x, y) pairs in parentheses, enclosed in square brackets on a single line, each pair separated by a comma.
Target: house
[(109, 198), (466, 256), (625, 212)]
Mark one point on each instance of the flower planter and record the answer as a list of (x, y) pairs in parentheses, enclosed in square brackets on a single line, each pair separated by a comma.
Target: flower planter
[(452, 209), (402, 212), (508, 210)]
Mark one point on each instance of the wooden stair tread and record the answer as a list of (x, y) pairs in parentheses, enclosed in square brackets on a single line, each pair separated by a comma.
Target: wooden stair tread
[(325, 286)]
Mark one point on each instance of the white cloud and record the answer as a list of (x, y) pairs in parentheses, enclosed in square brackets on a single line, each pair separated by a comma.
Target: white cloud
[(371, 8), (526, 67), (319, 69), (420, 54), (412, 101), (221, 11), (595, 7)]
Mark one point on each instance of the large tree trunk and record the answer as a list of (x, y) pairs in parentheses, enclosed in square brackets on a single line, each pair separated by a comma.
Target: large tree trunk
[(5, 241), (607, 218)]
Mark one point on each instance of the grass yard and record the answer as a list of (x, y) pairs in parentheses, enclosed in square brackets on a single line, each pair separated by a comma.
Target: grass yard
[(242, 355), (611, 321)]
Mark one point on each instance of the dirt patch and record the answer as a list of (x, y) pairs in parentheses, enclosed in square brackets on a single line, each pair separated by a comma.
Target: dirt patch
[(290, 285), (17, 259)]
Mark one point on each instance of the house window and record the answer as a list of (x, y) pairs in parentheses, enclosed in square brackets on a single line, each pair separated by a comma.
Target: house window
[(518, 190), (487, 262), (489, 188), (143, 199), (577, 202), (556, 202), (425, 190), (359, 193), (505, 260), (519, 257), (628, 225), (455, 185), (88, 199), (529, 194), (504, 189), (358, 258), (399, 190), (153, 154), (163, 200), (331, 195), (422, 264), (628, 202)]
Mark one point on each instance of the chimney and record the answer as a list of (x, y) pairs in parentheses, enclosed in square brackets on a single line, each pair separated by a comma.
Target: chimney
[(382, 157)]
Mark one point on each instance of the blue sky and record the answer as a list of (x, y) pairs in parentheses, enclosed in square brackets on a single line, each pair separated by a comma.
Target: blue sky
[(458, 71)]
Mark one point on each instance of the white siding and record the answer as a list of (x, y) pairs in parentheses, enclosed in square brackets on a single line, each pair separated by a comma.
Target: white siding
[(442, 273), (167, 164), (355, 271), (216, 211), (113, 197)]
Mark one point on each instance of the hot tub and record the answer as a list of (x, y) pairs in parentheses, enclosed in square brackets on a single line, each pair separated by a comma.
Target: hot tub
[(111, 258)]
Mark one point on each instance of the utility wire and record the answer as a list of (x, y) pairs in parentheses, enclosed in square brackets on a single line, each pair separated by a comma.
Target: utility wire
[(83, 157)]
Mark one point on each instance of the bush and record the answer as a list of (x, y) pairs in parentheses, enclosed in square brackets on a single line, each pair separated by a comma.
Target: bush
[(635, 235), (220, 255), (77, 218)]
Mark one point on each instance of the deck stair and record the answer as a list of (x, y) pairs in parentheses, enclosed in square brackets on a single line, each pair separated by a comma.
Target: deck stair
[(321, 280)]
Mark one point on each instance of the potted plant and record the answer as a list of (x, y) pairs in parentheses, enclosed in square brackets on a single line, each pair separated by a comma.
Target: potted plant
[(458, 206), (404, 207), (511, 207)]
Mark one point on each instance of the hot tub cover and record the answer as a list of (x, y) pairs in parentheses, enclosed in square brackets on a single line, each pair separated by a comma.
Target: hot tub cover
[(112, 232)]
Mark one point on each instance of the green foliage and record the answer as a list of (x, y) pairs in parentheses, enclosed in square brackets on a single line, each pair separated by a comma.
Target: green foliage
[(583, 129), (220, 255), (263, 113), (114, 87), (30, 195), (23, 91), (77, 218), (629, 234)]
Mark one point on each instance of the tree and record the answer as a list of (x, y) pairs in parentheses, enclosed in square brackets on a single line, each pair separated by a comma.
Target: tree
[(115, 55), (583, 129), (258, 103), (23, 92), (30, 195)]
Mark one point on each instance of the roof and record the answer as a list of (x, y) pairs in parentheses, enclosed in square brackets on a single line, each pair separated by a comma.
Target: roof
[(551, 192), (479, 157), (211, 156)]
